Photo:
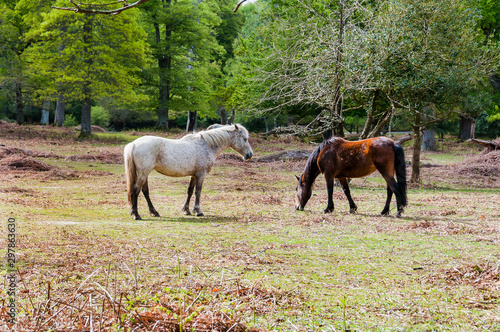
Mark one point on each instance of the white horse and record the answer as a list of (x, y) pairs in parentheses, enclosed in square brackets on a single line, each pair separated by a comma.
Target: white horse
[(193, 155)]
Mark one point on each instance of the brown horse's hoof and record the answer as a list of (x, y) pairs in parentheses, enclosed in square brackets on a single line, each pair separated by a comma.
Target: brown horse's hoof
[(200, 215), (137, 217), (154, 214), (353, 211), (327, 210)]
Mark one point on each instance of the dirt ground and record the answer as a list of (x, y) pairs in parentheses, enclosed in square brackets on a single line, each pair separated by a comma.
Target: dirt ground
[(253, 264)]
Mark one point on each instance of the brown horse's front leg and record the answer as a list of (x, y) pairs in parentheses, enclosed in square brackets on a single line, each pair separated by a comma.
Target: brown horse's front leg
[(345, 186), (329, 188), (185, 207), (197, 194)]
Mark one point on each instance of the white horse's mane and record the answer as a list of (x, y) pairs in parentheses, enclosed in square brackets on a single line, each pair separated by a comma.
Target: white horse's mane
[(216, 137)]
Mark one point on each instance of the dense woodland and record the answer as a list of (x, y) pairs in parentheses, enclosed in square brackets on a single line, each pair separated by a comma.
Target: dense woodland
[(304, 67)]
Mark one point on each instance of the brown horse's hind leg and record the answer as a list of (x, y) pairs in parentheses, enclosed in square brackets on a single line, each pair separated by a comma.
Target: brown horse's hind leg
[(345, 186), (393, 186), (145, 191), (185, 207), (385, 211)]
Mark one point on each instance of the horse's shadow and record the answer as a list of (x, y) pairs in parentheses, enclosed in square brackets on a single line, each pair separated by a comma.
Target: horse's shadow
[(207, 219)]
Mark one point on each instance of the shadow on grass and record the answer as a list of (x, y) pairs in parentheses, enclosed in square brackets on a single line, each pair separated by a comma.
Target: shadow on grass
[(207, 219)]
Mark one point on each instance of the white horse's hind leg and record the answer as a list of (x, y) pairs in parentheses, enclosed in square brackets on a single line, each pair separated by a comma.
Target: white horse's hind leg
[(141, 179), (185, 207), (199, 185), (145, 191)]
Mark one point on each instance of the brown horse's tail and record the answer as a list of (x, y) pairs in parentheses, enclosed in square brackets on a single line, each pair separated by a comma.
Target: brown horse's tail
[(130, 171), (400, 166)]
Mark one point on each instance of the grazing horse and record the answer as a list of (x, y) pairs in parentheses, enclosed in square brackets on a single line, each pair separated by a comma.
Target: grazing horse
[(193, 155), (339, 159)]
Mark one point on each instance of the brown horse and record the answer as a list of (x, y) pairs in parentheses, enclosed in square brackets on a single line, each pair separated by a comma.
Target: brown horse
[(339, 159)]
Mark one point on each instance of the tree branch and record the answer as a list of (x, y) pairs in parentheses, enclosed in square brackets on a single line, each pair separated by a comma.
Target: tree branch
[(88, 8), (238, 6)]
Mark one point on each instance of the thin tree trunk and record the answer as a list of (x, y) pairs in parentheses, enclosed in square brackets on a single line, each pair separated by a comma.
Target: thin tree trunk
[(223, 115), (60, 104), (231, 119), (369, 117), (86, 128), (45, 113), (164, 65), (337, 125), (417, 143), (192, 121), (19, 104)]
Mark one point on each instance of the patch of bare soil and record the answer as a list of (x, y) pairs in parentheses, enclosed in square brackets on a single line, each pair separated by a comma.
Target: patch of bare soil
[(104, 158), (16, 163), (95, 129)]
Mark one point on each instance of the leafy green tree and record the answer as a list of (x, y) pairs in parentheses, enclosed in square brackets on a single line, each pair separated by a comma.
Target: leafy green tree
[(17, 18), (434, 56), (101, 58), (183, 43)]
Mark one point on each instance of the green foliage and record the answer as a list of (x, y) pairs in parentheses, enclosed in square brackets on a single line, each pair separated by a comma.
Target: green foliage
[(100, 116), (71, 121)]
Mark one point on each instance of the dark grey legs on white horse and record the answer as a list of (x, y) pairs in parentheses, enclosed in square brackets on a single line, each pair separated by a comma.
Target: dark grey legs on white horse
[(195, 184), (134, 196), (145, 191)]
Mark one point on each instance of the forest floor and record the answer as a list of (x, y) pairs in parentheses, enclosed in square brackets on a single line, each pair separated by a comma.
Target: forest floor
[(252, 263)]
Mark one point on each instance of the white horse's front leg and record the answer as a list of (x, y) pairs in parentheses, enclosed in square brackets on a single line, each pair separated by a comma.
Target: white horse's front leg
[(199, 184), (185, 207)]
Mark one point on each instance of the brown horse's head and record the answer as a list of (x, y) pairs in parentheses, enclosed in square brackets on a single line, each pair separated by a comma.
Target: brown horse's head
[(304, 192)]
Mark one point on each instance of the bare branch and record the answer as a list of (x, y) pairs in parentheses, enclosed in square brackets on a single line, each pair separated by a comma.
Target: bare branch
[(90, 8), (238, 6)]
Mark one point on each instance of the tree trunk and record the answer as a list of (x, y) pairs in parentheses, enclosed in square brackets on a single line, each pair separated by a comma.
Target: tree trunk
[(231, 119), (192, 122), (369, 117), (164, 65), (223, 115), (60, 110), (429, 140), (19, 104), (86, 128), (417, 143), (60, 104), (467, 127), (337, 124), (45, 113)]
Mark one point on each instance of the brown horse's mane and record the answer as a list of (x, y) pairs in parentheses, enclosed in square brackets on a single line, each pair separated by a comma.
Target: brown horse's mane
[(311, 171)]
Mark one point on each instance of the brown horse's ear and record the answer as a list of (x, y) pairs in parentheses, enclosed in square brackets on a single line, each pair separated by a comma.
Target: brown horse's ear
[(298, 179)]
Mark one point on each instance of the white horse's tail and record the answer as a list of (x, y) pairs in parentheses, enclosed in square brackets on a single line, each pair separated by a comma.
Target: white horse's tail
[(130, 171)]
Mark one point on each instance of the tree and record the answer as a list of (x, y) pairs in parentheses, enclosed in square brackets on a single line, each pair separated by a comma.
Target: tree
[(310, 57), (435, 56), (101, 58), (182, 39), (17, 18)]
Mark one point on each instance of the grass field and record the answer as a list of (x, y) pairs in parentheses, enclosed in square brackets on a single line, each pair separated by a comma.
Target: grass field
[(253, 262)]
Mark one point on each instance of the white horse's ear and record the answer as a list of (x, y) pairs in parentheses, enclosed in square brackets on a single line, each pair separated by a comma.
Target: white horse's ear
[(236, 127)]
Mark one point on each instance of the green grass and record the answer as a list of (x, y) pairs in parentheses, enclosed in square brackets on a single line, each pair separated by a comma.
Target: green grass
[(302, 271)]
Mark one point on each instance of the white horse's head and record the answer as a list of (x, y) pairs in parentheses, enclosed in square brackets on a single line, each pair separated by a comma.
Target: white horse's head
[(240, 142)]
